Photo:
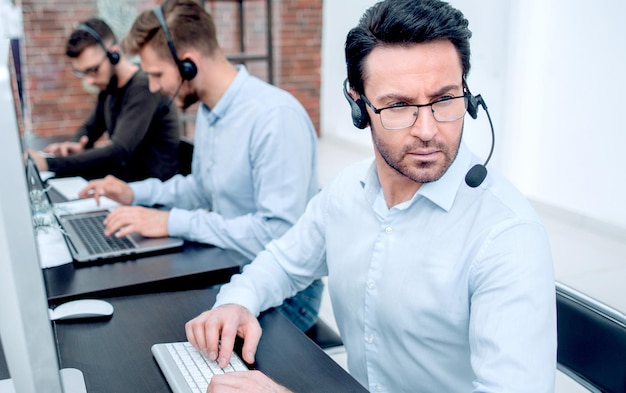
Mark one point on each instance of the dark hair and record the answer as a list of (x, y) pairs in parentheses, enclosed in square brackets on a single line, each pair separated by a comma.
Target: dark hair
[(80, 39), (402, 22), (189, 24)]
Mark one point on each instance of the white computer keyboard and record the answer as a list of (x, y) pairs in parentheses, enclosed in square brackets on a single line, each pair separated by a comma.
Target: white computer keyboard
[(187, 370)]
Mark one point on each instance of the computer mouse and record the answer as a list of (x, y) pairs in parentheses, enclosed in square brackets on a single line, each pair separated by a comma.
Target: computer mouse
[(80, 309)]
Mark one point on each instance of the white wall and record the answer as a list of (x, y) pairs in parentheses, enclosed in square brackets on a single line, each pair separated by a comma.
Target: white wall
[(567, 101), (338, 18), (553, 76)]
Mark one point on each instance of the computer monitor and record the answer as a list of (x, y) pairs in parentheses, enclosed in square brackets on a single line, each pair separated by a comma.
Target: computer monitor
[(25, 327)]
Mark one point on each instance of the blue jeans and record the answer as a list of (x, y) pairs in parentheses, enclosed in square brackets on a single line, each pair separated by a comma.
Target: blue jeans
[(302, 309)]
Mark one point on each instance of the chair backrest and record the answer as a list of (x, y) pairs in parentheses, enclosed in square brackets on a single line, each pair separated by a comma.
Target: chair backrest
[(591, 341), (185, 154)]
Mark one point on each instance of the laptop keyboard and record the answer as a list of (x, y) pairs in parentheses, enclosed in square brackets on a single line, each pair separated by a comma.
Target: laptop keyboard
[(188, 370), (91, 231)]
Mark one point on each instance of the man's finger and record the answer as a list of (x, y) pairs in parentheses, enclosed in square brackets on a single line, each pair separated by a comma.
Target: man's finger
[(227, 343), (250, 345)]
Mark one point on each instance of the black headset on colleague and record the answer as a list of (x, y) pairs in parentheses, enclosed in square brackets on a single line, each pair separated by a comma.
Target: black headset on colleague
[(187, 68), (114, 57), (477, 174)]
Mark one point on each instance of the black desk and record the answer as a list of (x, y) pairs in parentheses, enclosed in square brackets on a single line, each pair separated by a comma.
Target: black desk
[(193, 266), (115, 355)]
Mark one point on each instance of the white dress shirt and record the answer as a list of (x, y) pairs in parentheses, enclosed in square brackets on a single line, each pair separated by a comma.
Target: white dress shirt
[(451, 291)]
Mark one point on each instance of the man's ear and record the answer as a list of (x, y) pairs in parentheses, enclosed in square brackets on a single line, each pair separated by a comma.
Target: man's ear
[(355, 96)]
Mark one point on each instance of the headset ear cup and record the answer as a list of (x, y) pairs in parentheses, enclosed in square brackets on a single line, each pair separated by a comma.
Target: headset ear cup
[(360, 118), (472, 106), (188, 69), (114, 57)]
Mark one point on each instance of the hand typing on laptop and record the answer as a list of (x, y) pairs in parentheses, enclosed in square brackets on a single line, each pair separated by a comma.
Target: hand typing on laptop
[(136, 219), (61, 149), (126, 219), (40, 161), (67, 148), (111, 187), (213, 333)]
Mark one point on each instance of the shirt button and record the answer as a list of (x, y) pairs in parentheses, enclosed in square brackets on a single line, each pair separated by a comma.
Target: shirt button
[(388, 230), (369, 339), (379, 388), (371, 285)]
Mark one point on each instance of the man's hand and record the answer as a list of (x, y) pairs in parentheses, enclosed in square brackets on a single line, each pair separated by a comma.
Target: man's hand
[(64, 149), (40, 161), (110, 187), (125, 220), (244, 382), (213, 333)]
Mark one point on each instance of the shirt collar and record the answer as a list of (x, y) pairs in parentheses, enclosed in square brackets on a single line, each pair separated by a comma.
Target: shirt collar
[(441, 192), (221, 108)]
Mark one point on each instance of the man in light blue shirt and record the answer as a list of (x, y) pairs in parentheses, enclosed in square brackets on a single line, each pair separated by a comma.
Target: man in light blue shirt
[(254, 165), (437, 286)]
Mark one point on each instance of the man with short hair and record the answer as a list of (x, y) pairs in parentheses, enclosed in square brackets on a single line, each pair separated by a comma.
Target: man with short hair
[(437, 284), (254, 164), (143, 136)]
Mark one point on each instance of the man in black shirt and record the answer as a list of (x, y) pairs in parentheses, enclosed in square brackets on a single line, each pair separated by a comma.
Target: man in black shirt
[(143, 133)]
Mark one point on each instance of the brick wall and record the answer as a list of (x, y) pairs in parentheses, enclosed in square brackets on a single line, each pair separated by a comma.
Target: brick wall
[(59, 103), (298, 63)]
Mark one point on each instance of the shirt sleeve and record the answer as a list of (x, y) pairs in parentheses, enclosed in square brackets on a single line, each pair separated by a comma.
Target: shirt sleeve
[(131, 126), (181, 191), (513, 312), (282, 158), (285, 267)]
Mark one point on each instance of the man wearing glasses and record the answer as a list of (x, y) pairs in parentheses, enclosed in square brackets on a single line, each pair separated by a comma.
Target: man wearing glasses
[(143, 134), (436, 285)]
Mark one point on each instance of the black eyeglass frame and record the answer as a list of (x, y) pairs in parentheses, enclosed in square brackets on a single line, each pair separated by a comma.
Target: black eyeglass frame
[(417, 106), (91, 71)]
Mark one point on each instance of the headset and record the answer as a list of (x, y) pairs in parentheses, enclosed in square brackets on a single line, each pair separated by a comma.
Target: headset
[(113, 57), (187, 68), (477, 174)]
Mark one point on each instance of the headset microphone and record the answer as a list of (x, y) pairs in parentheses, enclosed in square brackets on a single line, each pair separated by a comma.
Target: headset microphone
[(165, 108), (477, 174)]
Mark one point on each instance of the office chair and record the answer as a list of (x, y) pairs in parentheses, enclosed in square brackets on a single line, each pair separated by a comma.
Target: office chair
[(323, 335), (185, 154), (591, 341)]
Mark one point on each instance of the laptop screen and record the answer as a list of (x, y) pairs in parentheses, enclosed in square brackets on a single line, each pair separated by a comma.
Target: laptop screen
[(40, 204)]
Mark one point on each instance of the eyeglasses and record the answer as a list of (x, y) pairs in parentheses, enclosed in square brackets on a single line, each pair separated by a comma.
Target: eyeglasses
[(399, 116), (89, 71)]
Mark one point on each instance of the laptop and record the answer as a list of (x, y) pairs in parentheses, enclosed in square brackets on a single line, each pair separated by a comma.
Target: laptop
[(84, 232)]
